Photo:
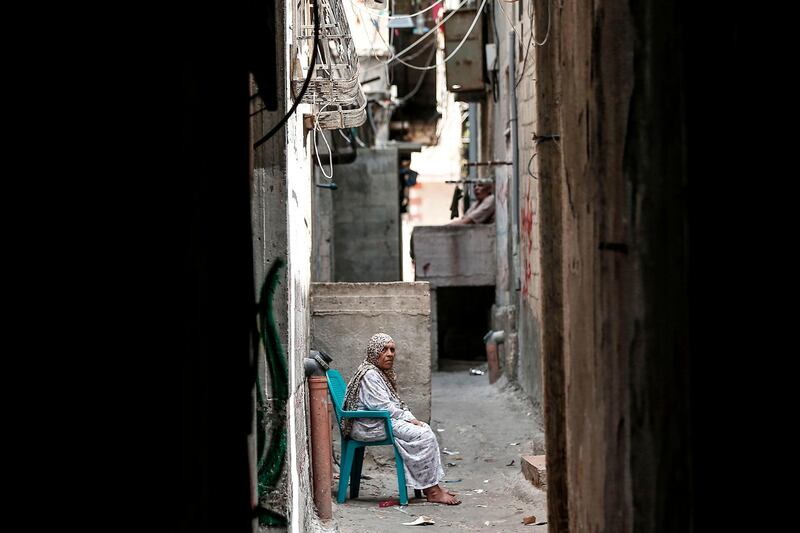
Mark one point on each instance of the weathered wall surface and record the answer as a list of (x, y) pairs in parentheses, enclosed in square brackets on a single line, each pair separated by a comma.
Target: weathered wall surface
[(624, 241), (597, 52), (529, 337), (546, 166), (323, 244), (281, 218), (299, 177), (366, 218), (518, 287)]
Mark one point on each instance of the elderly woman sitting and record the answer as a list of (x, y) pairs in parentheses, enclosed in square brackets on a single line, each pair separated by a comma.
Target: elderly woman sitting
[(374, 387)]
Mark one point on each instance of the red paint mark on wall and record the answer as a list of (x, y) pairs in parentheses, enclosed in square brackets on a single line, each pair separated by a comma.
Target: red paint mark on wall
[(526, 279), (527, 216), (527, 222)]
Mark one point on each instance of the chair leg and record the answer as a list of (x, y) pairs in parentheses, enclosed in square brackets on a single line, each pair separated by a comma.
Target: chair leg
[(401, 477), (355, 472), (344, 469)]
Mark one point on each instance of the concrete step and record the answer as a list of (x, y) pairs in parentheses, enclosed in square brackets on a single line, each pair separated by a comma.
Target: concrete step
[(534, 469)]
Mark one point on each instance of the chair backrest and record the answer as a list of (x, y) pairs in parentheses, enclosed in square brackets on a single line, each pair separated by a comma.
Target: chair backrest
[(337, 388)]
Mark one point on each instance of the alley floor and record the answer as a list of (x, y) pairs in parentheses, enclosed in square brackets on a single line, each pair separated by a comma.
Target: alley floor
[(481, 422)]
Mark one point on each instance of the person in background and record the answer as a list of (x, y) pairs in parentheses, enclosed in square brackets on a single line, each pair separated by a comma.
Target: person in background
[(481, 212)]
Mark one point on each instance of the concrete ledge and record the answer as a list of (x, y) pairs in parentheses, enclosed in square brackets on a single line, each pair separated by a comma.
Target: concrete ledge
[(371, 299), (535, 470)]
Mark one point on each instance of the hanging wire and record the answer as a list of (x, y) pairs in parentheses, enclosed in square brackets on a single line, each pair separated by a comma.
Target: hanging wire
[(361, 143), (531, 174), (418, 41), (525, 60), (345, 137), (446, 59), (371, 120), (432, 44), (418, 85), (297, 101), (392, 17), (531, 39), (549, 17), (316, 151), (372, 49), (430, 32), (536, 140), (495, 67), (500, 5)]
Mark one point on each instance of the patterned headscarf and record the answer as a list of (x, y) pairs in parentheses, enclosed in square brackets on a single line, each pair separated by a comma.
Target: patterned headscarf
[(376, 345)]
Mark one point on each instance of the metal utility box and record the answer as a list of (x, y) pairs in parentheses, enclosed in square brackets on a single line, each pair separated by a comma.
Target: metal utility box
[(464, 71)]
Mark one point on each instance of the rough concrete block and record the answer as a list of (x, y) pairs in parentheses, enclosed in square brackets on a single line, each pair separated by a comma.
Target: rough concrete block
[(455, 256), (366, 218), (511, 355), (535, 470)]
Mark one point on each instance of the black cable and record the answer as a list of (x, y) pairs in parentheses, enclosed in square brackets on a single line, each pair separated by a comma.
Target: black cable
[(280, 124), (495, 69), (525, 60), (421, 79)]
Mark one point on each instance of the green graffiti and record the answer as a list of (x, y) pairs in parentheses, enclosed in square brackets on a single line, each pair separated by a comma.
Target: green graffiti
[(271, 450)]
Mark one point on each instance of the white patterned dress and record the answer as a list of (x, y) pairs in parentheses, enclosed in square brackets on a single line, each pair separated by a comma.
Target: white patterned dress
[(417, 444)]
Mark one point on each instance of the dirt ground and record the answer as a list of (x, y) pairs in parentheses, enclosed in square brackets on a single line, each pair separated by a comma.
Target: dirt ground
[(479, 421)]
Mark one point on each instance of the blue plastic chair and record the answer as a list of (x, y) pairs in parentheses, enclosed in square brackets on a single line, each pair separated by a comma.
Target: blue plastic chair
[(353, 450)]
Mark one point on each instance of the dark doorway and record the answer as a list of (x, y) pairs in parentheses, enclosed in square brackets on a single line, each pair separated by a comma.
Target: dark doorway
[(464, 317)]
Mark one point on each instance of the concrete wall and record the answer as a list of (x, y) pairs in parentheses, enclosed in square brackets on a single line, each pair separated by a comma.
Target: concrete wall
[(323, 244), (626, 361), (518, 286), (298, 284), (270, 240), (602, 278), (281, 218), (496, 145), (455, 256), (299, 177), (366, 218), (597, 342), (529, 365), (344, 316), (548, 169)]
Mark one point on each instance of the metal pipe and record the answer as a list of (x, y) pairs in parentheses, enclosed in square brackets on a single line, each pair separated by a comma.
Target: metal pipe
[(320, 424), (488, 163), (473, 153), (320, 445), (492, 339), (512, 124), (473, 138)]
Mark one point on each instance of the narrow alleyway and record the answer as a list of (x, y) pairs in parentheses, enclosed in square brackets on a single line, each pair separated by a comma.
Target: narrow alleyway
[(480, 422)]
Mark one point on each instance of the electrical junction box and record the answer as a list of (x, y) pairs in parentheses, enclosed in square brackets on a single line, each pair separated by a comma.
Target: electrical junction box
[(464, 71)]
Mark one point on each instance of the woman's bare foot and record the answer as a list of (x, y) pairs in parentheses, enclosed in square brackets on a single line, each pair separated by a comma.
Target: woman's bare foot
[(437, 494)]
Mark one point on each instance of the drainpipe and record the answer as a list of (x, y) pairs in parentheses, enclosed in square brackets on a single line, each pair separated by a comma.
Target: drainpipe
[(473, 148), (315, 367), (512, 123), (492, 339)]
